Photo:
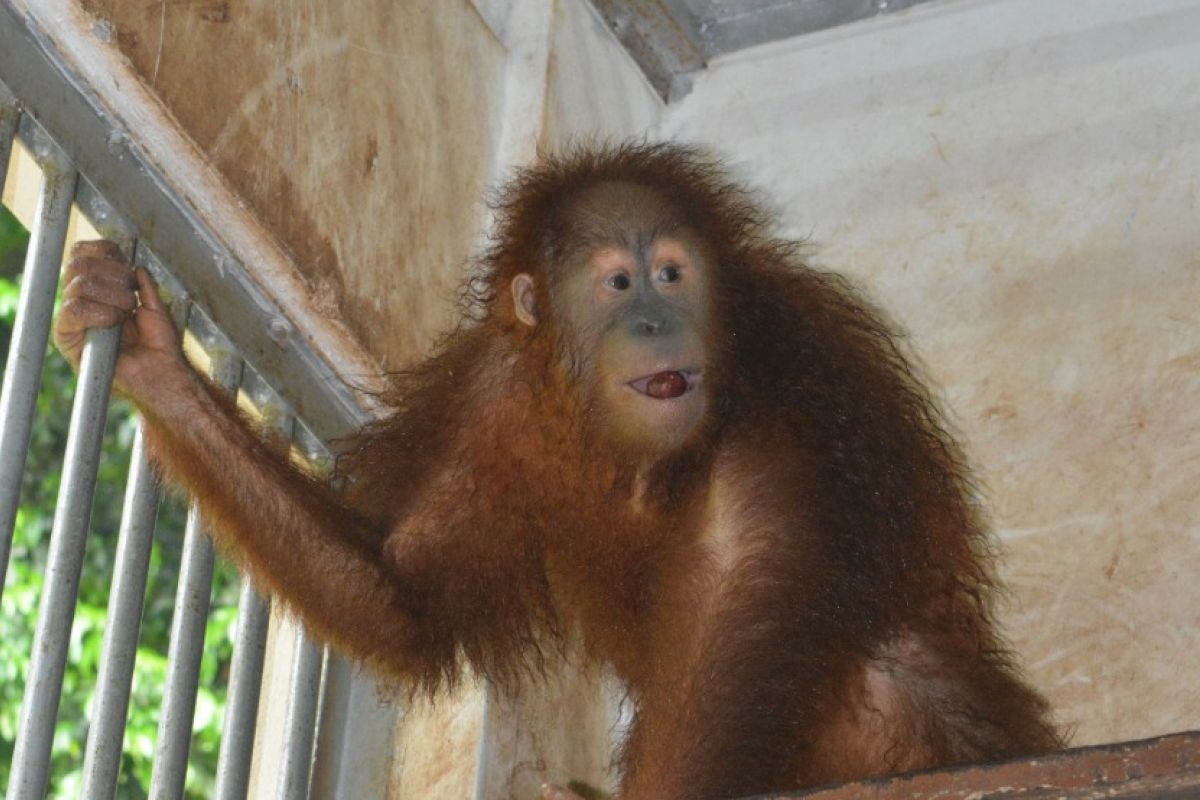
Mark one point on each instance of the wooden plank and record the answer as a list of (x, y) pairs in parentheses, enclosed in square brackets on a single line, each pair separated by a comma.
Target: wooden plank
[(1164, 768)]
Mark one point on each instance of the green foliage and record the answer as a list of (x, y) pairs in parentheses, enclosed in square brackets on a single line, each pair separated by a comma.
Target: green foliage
[(13, 241), (23, 585)]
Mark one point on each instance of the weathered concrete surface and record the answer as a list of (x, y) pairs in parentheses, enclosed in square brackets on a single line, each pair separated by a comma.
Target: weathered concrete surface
[(558, 729), (595, 92), (362, 134), (1167, 768), (436, 743)]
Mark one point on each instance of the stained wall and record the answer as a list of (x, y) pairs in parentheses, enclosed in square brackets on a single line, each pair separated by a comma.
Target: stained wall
[(362, 134), (1017, 183), (594, 91)]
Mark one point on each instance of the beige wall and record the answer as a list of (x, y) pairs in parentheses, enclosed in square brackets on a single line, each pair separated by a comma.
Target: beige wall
[(362, 134), (1016, 181), (594, 91)]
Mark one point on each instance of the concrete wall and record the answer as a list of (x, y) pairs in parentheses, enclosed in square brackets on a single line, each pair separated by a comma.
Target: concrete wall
[(353, 130), (1016, 181), (594, 92)]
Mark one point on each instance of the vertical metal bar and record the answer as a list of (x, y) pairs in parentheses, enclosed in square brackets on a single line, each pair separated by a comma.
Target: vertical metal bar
[(299, 732), (23, 370), (183, 662), (249, 647), (43, 687), (241, 704), (354, 734), (102, 758), (486, 745), (300, 728), (10, 112), (187, 626)]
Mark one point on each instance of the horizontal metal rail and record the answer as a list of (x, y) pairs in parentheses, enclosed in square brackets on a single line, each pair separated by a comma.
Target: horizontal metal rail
[(10, 112)]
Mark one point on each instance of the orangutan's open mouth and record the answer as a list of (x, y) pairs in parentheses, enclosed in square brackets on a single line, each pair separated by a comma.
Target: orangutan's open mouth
[(666, 385)]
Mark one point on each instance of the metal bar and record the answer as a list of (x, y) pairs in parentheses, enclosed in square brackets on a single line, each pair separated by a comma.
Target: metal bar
[(241, 703), (300, 727), (10, 112), (102, 758), (23, 370), (354, 734), (304, 690), (249, 648), (187, 626), (183, 662), (299, 730), (39, 707), (486, 745)]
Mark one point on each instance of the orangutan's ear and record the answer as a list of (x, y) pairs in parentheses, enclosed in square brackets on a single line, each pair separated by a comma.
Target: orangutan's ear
[(523, 299)]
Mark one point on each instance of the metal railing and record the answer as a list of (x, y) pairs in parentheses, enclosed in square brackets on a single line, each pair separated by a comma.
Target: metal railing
[(76, 150)]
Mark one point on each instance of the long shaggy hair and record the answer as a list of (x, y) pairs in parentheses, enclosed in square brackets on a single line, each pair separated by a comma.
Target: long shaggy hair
[(810, 374)]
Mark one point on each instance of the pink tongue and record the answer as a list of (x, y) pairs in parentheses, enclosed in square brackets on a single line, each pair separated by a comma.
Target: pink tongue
[(666, 385)]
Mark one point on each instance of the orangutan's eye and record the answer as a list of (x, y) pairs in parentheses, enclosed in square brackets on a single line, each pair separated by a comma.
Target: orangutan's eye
[(619, 281)]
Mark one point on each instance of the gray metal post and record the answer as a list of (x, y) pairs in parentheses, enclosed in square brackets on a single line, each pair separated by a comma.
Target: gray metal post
[(300, 727), (102, 758), (187, 628), (299, 730), (10, 112), (39, 707), (354, 734), (241, 703), (249, 647), (183, 662), (23, 370)]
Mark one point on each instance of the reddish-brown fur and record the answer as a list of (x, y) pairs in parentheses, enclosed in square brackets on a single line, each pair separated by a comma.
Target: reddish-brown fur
[(799, 595)]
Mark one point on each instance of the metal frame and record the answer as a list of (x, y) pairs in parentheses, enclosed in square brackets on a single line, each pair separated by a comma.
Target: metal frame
[(673, 39), (72, 137), (63, 187), (70, 112)]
